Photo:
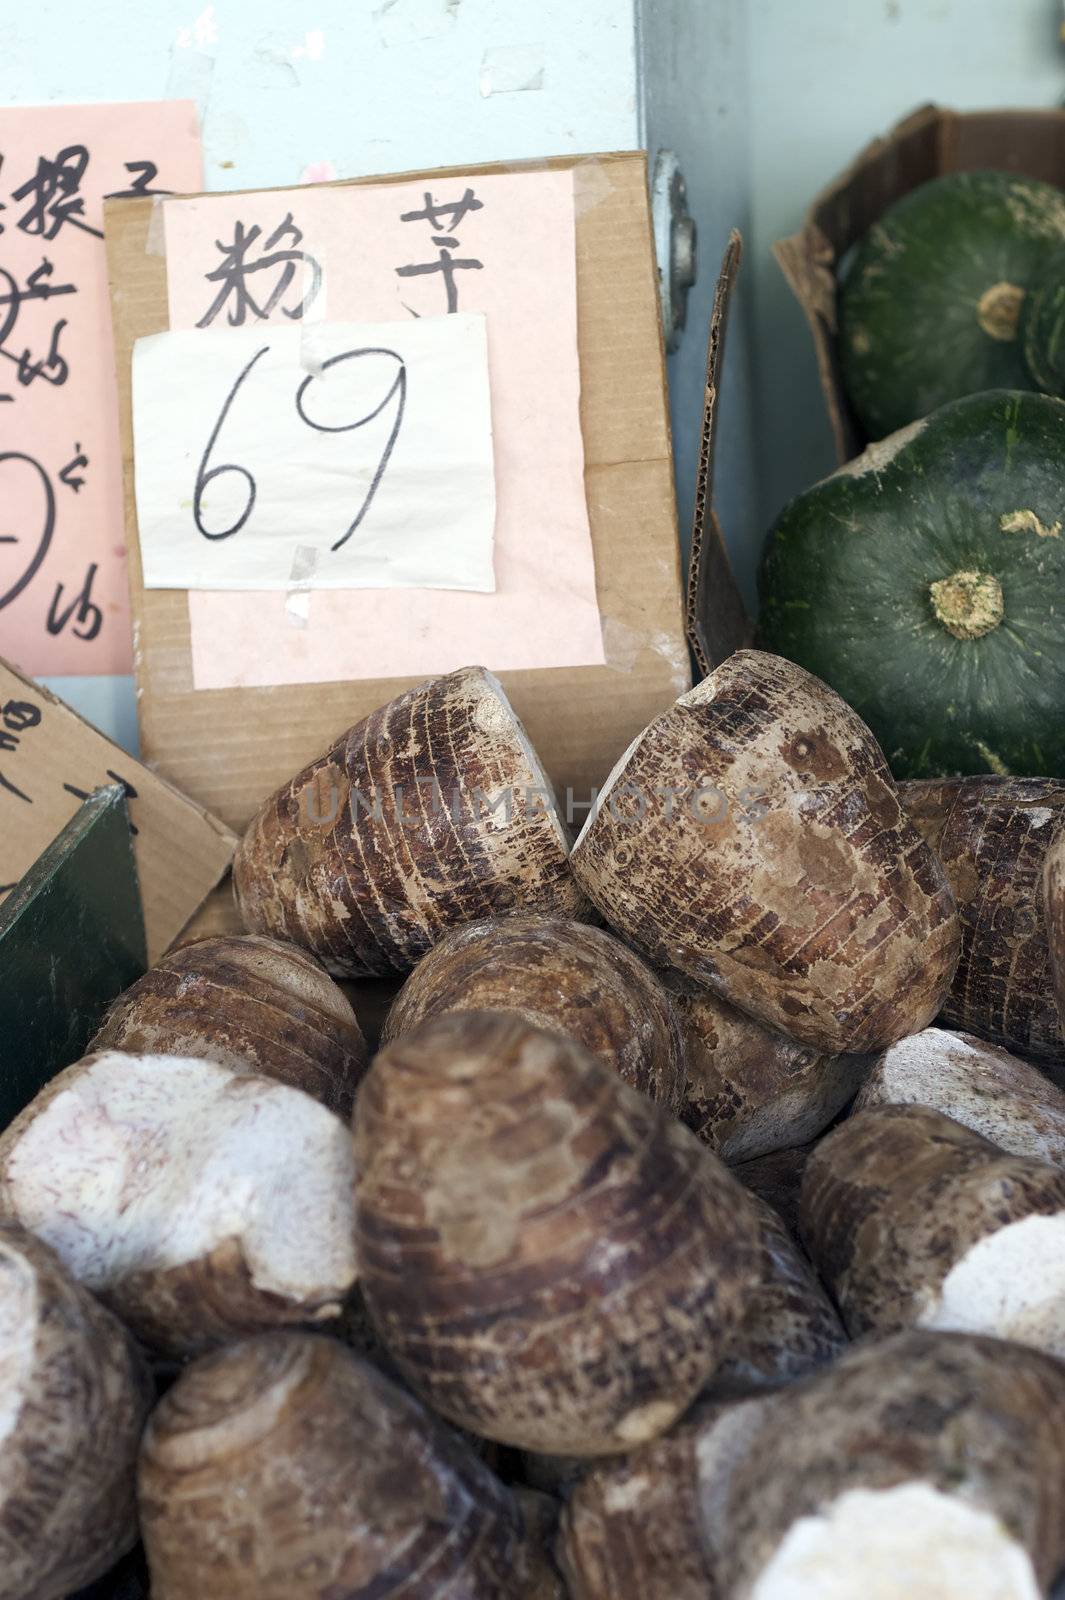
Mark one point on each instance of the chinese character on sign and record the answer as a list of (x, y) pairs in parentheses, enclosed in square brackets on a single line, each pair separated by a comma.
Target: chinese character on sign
[(279, 264), (444, 219), (16, 718)]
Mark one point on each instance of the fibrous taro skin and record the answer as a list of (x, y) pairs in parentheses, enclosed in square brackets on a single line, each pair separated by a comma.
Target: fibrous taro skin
[(248, 1003), (74, 1395), (913, 1220), (551, 1260), (993, 835), (927, 1466), (433, 812), (560, 975), (286, 1468), (752, 837), (197, 1202)]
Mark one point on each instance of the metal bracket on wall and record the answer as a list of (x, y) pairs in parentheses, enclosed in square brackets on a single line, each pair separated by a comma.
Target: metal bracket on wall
[(675, 243)]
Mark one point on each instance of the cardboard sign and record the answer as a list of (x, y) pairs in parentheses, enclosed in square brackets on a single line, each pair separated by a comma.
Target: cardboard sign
[(232, 747), (64, 602), (329, 456), (51, 761), (502, 244)]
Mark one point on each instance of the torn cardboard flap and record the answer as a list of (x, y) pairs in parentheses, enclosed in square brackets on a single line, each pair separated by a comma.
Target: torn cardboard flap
[(51, 761), (230, 748), (929, 142), (715, 616)]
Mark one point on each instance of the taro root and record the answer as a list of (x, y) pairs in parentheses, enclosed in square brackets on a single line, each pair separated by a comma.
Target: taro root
[(632, 1527), (752, 837), (913, 1220), (980, 1085), (74, 1394), (1054, 910), (433, 812), (197, 1202), (751, 1089), (559, 975), (777, 1179), (924, 1467), (251, 1004), (992, 835), (790, 1327), (552, 1260), (284, 1468)]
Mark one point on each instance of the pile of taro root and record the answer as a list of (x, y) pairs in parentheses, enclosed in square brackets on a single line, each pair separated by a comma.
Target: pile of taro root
[(698, 1230)]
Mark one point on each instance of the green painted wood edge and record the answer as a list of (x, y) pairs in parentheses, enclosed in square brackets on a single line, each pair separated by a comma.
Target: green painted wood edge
[(71, 939)]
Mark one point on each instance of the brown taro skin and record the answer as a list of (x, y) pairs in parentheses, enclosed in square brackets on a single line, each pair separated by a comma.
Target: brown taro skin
[(777, 1179), (980, 1418), (631, 1528), (285, 1468), (1009, 1101), (81, 1395), (1054, 913), (400, 831), (753, 839), (560, 975), (751, 1089), (246, 1002), (790, 1328), (896, 1195), (992, 835), (552, 1260)]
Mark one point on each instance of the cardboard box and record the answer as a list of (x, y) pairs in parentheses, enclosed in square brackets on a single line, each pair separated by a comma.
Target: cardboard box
[(231, 748), (715, 616), (926, 144), (51, 761)]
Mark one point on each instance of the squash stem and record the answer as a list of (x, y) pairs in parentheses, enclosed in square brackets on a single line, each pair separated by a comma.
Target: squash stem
[(968, 604)]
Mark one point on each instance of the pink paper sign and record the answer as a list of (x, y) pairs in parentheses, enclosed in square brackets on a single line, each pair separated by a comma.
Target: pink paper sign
[(64, 601), (503, 245)]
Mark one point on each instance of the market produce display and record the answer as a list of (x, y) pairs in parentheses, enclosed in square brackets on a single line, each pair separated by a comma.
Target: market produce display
[(923, 582), (562, 1309), (956, 288)]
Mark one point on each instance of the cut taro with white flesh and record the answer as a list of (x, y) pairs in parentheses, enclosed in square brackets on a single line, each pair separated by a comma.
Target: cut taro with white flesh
[(198, 1203), (915, 1221)]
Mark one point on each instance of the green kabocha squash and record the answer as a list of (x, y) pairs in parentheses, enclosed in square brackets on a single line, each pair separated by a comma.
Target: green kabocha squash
[(1043, 328), (930, 308), (925, 582)]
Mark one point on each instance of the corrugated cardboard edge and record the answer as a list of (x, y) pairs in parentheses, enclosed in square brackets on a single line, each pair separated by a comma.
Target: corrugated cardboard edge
[(930, 141), (580, 719), (716, 619), (161, 927)]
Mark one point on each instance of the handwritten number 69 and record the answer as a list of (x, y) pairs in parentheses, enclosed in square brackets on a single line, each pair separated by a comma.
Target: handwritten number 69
[(396, 394)]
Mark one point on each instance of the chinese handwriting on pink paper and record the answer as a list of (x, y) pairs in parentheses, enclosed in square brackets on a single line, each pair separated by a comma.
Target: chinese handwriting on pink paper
[(501, 245), (64, 606)]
